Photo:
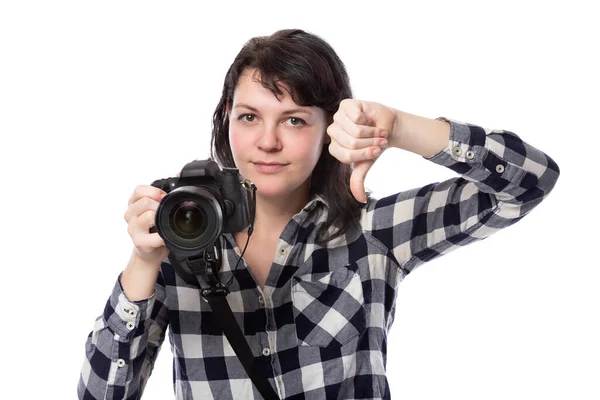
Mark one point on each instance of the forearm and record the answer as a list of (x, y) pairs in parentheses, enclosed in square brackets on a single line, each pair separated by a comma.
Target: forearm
[(138, 278), (420, 135), (123, 345)]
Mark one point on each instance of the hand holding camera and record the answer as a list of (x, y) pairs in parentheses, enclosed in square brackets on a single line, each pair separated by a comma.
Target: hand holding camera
[(140, 217), (181, 217)]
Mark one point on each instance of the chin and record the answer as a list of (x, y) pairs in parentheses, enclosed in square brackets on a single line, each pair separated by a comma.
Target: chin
[(269, 187)]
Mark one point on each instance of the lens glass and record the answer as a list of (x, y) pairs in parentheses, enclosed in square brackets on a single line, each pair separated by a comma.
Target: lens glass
[(188, 220)]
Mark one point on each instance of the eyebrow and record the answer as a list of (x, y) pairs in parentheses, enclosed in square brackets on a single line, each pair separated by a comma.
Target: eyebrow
[(292, 111)]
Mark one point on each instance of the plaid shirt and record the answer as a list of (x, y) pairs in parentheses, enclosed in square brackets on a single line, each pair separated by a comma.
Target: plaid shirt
[(319, 327)]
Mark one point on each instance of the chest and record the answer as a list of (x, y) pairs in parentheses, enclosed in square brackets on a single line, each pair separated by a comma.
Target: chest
[(259, 257)]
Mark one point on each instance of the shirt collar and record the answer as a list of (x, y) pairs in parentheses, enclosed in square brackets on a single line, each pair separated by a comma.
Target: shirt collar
[(315, 199)]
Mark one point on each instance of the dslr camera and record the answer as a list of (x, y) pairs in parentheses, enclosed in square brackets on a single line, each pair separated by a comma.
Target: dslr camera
[(201, 204)]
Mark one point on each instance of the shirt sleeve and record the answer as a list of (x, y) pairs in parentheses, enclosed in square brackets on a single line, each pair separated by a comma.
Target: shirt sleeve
[(501, 180), (121, 349)]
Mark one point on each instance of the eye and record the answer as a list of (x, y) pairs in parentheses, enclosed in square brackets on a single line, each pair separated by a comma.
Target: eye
[(295, 121), (250, 116)]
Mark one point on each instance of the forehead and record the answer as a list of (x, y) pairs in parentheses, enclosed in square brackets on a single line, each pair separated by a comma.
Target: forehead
[(250, 89)]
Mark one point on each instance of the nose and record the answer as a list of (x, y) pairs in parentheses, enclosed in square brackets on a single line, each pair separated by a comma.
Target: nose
[(268, 139)]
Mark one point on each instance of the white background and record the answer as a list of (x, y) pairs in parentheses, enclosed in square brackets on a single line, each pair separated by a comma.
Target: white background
[(98, 97)]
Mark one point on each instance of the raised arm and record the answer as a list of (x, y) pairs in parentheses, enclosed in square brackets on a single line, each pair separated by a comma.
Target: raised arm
[(502, 178)]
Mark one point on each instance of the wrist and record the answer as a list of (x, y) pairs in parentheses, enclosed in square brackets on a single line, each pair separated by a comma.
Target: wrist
[(139, 278), (420, 135), (396, 136)]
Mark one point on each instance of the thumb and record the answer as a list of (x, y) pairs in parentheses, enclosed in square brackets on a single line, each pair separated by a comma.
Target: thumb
[(363, 117), (357, 179)]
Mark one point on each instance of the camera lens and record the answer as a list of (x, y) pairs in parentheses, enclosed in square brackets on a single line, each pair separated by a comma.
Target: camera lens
[(188, 220)]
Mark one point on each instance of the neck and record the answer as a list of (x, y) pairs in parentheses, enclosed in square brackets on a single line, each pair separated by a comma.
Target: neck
[(274, 213)]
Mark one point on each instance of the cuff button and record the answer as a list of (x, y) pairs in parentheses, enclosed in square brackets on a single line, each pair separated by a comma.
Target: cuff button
[(499, 168), (470, 154)]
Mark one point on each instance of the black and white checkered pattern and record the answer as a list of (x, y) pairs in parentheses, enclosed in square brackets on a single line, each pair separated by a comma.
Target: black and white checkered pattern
[(319, 328)]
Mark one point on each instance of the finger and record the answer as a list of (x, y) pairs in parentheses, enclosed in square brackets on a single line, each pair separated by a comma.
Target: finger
[(354, 129), (141, 206), (141, 225), (336, 132), (353, 110), (357, 180), (148, 241), (146, 191), (349, 156)]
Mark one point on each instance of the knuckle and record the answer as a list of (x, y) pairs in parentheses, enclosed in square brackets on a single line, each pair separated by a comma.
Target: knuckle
[(146, 203), (150, 217), (137, 191), (346, 158), (353, 143), (356, 132)]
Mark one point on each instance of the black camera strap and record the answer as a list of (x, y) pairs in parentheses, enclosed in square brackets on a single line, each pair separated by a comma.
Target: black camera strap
[(216, 297), (208, 265)]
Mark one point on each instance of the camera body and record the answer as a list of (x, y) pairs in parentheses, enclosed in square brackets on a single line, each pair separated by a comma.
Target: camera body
[(201, 204)]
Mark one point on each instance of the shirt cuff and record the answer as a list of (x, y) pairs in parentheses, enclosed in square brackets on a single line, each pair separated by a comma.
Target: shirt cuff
[(467, 153), (123, 316)]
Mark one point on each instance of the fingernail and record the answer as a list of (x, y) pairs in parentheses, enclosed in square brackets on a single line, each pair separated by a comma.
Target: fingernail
[(377, 152), (383, 134), (384, 144)]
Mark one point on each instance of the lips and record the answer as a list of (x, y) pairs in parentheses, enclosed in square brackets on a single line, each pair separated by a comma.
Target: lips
[(268, 167), (268, 163)]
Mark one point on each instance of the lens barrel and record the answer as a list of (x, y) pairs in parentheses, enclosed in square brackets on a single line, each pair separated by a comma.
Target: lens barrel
[(189, 219)]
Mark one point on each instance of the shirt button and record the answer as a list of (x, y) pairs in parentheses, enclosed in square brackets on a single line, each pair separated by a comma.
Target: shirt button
[(120, 362), (499, 168), (261, 300), (266, 351), (283, 251), (470, 154), (130, 326), (457, 151)]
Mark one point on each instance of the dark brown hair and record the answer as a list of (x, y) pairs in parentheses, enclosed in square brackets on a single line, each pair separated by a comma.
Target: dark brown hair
[(316, 77)]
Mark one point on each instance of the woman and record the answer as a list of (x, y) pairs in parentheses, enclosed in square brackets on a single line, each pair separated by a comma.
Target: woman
[(316, 295)]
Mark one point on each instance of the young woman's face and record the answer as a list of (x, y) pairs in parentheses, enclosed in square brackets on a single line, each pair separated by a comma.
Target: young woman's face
[(275, 144)]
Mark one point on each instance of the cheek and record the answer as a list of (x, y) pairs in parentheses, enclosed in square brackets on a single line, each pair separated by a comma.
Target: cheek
[(311, 148), (237, 142)]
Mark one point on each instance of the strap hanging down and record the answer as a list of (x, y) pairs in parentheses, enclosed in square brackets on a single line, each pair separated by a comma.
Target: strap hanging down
[(216, 297)]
